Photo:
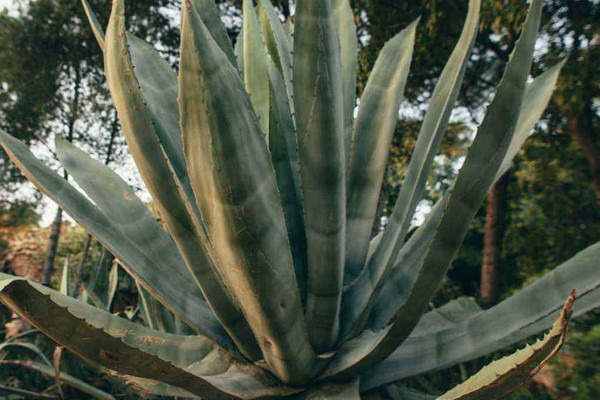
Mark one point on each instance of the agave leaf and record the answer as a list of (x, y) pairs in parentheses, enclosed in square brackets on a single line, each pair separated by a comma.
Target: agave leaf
[(24, 347), (319, 108), (94, 23), (470, 188), (65, 278), (113, 282), (158, 87), (155, 314), (193, 363), (256, 67), (211, 17), (118, 201), (346, 28), (172, 203), (373, 243), (236, 190), (526, 313), (411, 257), (159, 90), (175, 292), (408, 264), (288, 27), (434, 125), (239, 52), (447, 316), (536, 99), (144, 302), (377, 118), (65, 378), (97, 289), (332, 391), (284, 154), (278, 45), (149, 387), (498, 379)]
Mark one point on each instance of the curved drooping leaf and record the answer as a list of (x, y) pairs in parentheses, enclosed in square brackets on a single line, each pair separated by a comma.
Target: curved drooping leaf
[(346, 28), (173, 204), (193, 363), (65, 379), (373, 132), (526, 313), (501, 377), (412, 255), (235, 186), (16, 393), (177, 292), (256, 68), (24, 347), (319, 107), (474, 180), (284, 154), (363, 294)]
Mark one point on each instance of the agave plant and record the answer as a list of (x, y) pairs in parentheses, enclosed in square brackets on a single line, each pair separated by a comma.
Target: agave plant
[(267, 184)]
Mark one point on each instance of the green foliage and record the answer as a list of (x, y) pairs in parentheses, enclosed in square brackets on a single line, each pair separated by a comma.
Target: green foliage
[(239, 165), (550, 194), (17, 214)]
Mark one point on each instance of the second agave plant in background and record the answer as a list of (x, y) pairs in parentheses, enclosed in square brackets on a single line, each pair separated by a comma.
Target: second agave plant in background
[(267, 185)]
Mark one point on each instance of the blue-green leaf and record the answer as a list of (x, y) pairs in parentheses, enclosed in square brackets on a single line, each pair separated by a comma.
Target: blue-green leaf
[(374, 129), (319, 107), (235, 186)]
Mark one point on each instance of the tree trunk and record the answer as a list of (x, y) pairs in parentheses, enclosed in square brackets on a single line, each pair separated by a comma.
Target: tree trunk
[(52, 247), (79, 273), (582, 129), (56, 225), (492, 242)]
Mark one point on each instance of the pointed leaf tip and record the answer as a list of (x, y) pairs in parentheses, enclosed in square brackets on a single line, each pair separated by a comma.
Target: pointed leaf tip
[(506, 375)]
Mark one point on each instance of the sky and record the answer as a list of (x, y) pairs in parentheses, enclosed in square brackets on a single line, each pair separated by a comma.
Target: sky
[(7, 4)]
